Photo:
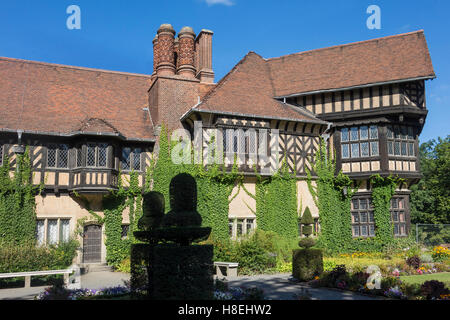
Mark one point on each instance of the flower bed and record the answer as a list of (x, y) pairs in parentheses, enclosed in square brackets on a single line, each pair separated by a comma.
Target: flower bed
[(390, 287), (59, 292)]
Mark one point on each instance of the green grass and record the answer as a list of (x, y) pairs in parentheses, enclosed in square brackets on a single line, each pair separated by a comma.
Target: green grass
[(419, 279)]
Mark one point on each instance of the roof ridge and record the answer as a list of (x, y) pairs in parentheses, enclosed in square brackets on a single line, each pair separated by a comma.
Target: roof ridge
[(347, 44), (49, 64), (225, 78)]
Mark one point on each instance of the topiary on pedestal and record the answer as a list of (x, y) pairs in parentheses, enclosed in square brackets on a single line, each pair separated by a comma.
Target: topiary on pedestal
[(307, 263), (176, 269)]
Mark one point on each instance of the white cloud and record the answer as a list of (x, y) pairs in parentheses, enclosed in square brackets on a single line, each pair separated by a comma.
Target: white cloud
[(224, 2)]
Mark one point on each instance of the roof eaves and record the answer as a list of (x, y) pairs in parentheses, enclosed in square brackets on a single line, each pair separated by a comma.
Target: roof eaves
[(299, 94)]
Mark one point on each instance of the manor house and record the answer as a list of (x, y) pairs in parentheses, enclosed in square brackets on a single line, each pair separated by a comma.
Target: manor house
[(82, 126)]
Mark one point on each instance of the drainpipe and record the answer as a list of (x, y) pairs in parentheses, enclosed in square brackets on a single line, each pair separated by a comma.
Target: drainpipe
[(326, 136)]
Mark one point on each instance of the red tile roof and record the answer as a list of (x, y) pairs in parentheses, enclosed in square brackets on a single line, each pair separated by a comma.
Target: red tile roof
[(393, 58), (56, 99), (247, 90), (251, 86)]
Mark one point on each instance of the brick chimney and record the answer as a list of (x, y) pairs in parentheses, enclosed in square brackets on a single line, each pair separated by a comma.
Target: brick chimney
[(155, 55), (165, 50), (186, 53), (203, 56)]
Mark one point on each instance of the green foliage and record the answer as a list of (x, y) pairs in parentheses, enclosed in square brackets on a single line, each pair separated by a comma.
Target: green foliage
[(430, 198), (17, 201), (276, 202), (333, 203), (29, 257), (307, 264), (114, 204), (383, 188)]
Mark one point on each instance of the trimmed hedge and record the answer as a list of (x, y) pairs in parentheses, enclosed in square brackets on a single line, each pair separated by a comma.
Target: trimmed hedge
[(29, 257), (307, 263)]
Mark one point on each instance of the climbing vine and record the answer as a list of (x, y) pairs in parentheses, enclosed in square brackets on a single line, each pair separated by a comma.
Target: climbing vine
[(276, 202), (17, 201), (332, 195), (383, 188)]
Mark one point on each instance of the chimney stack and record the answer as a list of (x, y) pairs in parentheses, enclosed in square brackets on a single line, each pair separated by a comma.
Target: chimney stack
[(186, 53), (165, 50), (155, 55), (203, 57)]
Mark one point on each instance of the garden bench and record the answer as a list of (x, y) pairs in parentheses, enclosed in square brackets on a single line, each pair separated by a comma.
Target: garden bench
[(230, 267), (30, 274)]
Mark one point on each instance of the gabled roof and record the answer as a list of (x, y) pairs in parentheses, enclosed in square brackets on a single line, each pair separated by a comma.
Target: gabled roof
[(388, 59), (247, 90), (56, 99), (252, 86)]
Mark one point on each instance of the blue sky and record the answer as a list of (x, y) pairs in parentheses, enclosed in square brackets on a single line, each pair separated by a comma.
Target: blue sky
[(117, 34)]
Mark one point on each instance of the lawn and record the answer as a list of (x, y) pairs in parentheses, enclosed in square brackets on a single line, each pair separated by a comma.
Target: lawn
[(419, 279)]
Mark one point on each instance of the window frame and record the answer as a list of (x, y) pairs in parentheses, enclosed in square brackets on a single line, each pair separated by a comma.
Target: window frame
[(131, 159), (401, 135), (348, 142), (59, 230), (359, 210), (58, 149), (233, 227), (401, 211), (97, 146)]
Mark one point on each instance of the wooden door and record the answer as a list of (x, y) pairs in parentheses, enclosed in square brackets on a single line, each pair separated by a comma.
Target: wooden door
[(92, 244)]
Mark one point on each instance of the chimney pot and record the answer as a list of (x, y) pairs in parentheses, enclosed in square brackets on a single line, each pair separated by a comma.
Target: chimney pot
[(165, 50), (186, 52)]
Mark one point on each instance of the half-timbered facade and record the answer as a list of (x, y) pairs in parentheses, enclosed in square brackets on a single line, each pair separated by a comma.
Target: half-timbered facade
[(365, 99)]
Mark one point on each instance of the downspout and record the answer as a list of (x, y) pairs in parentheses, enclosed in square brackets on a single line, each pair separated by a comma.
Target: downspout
[(325, 136)]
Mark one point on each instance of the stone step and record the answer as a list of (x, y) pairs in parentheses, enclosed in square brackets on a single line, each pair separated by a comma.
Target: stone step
[(96, 267)]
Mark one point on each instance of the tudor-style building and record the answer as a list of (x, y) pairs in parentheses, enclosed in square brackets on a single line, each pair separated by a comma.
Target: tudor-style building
[(366, 99)]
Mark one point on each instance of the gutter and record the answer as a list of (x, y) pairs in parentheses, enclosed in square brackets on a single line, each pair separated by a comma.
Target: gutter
[(78, 133)]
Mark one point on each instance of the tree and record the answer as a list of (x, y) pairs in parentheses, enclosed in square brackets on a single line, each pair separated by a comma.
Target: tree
[(430, 198)]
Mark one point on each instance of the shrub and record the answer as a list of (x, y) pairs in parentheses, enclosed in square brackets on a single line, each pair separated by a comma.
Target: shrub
[(426, 258), (29, 257), (329, 265), (252, 257), (413, 261), (124, 266), (307, 263), (433, 289)]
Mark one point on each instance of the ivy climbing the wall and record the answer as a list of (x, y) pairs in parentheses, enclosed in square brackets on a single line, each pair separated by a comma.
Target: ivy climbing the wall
[(276, 202), (17, 201), (332, 195)]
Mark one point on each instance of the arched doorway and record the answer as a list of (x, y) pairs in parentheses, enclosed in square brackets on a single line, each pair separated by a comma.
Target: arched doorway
[(92, 244)]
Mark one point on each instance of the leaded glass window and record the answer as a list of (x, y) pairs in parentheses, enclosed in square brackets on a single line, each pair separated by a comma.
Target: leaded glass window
[(125, 230), (97, 155), (64, 230), (126, 158), (359, 142), (51, 156), (102, 153), (52, 231), (398, 216), (137, 159), (80, 156), (362, 215), (40, 232), (401, 141), (58, 156), (131, 158), (90, 155)]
